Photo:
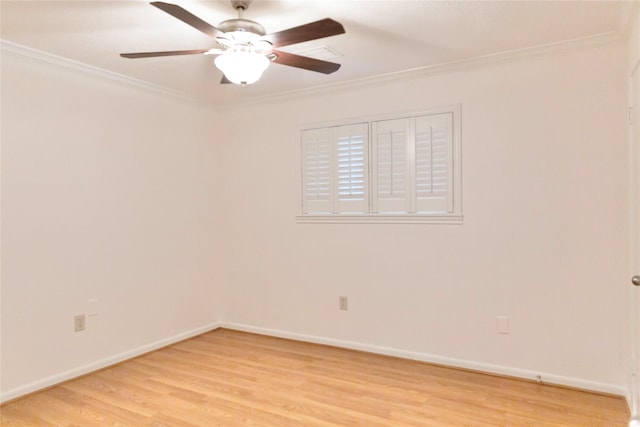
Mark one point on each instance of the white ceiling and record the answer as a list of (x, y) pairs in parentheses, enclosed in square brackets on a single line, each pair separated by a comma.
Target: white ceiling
[(382, 36)]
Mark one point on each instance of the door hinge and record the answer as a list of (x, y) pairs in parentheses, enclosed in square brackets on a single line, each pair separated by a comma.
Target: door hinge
[(630, 115)]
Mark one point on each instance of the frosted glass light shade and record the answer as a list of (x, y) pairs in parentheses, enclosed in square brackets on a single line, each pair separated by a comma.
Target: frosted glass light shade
[(242, 68)]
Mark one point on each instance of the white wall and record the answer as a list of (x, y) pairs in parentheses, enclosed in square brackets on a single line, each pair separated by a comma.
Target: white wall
[(108, 192), (543, 240), (633, 332), (150, 204)]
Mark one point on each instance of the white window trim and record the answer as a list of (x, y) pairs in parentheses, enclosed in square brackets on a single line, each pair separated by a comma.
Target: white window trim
[(454, 217), (379, 219)]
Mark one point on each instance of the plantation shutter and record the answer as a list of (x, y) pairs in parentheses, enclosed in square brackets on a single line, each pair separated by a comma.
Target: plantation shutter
[(391, 174), (433, 163), (383, 170), (351, 143), (412, 164), (316, 171)]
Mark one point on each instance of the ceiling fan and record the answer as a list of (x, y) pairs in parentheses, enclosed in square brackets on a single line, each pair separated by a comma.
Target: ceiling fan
[(245, 50)]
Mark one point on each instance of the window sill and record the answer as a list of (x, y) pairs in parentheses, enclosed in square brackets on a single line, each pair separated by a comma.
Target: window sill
[(379, 219)]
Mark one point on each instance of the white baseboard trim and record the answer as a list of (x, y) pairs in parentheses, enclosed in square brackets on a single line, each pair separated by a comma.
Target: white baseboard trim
[(8, 395), (547, 378)]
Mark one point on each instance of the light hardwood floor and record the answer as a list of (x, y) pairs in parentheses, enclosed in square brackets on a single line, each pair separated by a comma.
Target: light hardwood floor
[(229, 378)]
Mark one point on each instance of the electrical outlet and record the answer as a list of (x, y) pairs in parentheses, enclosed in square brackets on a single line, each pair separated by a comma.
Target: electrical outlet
[(344, 303), (502, 325), (79, 323)]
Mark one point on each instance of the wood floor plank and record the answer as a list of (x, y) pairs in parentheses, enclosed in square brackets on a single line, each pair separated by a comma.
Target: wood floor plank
[(230, 378)]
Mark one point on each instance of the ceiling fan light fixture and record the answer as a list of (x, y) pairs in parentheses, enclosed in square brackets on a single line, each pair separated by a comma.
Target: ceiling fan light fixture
[(242, 67), (244, 48)]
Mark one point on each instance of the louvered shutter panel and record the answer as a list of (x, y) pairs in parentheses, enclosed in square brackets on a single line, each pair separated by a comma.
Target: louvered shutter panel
[(391, 172), (433, 163), (316, 171), (350, 156), (410, 170)]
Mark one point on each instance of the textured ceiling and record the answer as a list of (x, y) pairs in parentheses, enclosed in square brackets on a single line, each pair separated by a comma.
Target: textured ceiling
[(381, 36)]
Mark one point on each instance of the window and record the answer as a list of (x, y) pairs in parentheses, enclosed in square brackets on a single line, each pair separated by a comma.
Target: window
[(399, 169), (334, 175)]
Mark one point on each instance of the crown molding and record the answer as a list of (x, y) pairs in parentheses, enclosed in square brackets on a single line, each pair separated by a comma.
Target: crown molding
[(454, 66), (372, 81), (7, 47)]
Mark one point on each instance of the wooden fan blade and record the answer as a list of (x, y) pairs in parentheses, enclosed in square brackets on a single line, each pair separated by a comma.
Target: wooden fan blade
[(298, 61), (166, 53), (188, 17), (311, 31)]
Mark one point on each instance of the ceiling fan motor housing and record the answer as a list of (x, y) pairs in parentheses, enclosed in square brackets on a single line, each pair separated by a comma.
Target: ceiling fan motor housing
[(240, 24)]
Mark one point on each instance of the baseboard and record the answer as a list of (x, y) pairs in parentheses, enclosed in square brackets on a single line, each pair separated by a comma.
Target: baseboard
[(547, 378), (35, 386)]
